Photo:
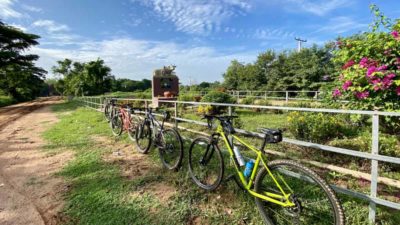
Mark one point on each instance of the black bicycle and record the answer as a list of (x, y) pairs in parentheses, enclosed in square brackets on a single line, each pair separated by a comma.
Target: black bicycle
[(168, 141), (109, 108)]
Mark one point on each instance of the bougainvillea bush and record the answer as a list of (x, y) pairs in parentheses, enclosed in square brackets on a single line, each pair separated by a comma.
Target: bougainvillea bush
[(370, 69)]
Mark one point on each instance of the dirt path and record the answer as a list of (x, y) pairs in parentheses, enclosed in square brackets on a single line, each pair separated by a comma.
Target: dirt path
[(29, 192)]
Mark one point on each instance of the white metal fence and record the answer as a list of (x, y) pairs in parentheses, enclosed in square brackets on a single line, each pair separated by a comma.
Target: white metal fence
[(374, 156), (272, 95)]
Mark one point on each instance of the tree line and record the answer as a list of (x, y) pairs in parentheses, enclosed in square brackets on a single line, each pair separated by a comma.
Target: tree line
[(91, 78), (308, 69)]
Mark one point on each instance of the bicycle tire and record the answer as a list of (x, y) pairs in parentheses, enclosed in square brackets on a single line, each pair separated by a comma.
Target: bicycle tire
[(116, 124), (106, 112), (132, 129), (205, 143), (269, 215), (143, 133), (167, 151)]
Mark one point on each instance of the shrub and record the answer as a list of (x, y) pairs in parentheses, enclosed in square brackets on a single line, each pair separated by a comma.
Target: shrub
[(215, 97), (247, 101), (6, 100), (369, 77), (319, 127), (205, 109), (388, 144), (186, 97), (300, 104)]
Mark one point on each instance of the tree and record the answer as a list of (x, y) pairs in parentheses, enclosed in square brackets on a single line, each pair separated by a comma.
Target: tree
[(19, 77), (91, 78), (288, 70), (231, 76)]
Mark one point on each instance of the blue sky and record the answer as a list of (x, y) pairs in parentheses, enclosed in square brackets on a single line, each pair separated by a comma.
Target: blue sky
[(201, 37)]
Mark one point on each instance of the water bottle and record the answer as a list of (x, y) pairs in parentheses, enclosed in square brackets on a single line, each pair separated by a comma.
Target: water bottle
[(239, 156), (249, 168)]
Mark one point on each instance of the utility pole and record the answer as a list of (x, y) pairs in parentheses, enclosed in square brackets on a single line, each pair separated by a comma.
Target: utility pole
[(299, 41)]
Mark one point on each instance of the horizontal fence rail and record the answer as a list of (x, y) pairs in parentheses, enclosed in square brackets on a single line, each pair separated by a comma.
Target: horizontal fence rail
[(374, 156), (274, 95)]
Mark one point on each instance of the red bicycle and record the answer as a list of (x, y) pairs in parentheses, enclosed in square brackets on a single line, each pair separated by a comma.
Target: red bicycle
[(124, 120)]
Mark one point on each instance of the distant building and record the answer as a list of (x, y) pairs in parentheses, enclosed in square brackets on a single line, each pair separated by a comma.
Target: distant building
[(165, 85)]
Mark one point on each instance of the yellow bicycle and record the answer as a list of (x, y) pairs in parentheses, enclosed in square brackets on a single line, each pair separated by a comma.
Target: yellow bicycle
[(285, 191)]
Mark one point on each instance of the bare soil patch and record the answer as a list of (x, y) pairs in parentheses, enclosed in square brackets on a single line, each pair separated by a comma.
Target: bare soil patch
[(134, 165), (29, 191)]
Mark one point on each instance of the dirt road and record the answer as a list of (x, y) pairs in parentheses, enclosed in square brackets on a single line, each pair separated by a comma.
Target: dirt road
[(29, 191)]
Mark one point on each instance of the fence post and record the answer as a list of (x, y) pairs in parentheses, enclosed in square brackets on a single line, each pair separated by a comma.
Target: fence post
[(287, 97), (176, 114), (374, 167), (265, 96), (230, 114)]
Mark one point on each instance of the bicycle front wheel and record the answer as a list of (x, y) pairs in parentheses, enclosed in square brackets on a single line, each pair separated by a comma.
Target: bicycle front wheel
[(143, 137), (315, 202), (135, 121), (206, 165), (171, 150), (116, 124)]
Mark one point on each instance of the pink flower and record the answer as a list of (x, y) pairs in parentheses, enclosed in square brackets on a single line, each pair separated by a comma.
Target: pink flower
[(398, 90), (395, 34), (364, 62), (387, 52), (336, 93), (347, 84), (348, 64), (375, 81), (371, 70), (362, 95), (391, 76), (383, 67)]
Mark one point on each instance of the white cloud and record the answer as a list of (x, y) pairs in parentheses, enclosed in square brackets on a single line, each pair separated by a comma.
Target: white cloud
[(6, 10), (342, 24), (197, 17), (136, 59), (272, 34), (317, 7), (31, 8), (50, 26)]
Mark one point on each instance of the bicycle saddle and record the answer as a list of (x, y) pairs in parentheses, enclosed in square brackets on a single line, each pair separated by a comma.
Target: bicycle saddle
[(271, 135)]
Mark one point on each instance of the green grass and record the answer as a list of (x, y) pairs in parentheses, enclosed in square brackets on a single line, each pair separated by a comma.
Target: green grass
[(6, 100), (100, 194)]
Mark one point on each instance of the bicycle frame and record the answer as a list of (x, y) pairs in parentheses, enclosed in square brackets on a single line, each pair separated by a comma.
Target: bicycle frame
[(126, 118), (157, 127), (267, 196)]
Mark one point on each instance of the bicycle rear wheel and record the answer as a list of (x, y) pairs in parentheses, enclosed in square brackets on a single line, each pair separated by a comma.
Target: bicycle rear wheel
[(143, 137), (315, 202), (107, 112), (206, 165), (171, 152), (116, 124)]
